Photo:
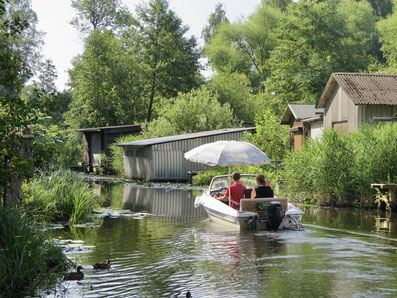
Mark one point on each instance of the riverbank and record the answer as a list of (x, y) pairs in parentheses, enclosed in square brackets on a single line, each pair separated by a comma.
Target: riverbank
[(349, 250)]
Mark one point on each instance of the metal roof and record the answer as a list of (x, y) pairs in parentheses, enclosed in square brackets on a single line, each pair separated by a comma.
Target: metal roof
[(299, 112), (96, 129), (149, 142), (363, 88)]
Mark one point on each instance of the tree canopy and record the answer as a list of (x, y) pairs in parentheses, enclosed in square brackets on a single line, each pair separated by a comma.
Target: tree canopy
[(197, 110), (99, 15)]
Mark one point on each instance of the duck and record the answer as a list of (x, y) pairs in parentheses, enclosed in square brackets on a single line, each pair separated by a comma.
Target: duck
[(75, 275), (102, 265)]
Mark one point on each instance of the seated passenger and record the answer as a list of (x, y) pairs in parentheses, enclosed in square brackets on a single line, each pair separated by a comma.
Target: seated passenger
[(237, 192), (263, 190)]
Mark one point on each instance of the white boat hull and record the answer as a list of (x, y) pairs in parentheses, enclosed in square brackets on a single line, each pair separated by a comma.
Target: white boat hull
[(222, 213)]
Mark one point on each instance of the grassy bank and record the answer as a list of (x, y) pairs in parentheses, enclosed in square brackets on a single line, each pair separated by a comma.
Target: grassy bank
[(339, 169), (30, 261), (336, 170), (59, 196)]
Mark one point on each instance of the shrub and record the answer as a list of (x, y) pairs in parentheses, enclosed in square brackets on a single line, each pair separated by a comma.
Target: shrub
[(270, 136), (30, 261), (197, 110), (204, 178), (116, 153), (59, 196)]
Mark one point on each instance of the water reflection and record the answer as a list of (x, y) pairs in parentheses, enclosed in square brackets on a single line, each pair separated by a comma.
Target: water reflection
[(353, 219), (171, 201), (340, 253), (166, 202)]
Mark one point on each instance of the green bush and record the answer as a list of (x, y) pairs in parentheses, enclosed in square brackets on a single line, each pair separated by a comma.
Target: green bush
[(116, 153), (59, 196), (270, 136), (29, 260), (204, 178), (338, 169)]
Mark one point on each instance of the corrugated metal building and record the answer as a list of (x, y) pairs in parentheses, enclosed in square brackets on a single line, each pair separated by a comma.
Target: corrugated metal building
[(167, 202), (161, 159), (304, 121), (352, 99), (96, 141)]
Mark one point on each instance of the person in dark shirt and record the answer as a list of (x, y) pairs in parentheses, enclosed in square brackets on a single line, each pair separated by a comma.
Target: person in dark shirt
[(263, 190)]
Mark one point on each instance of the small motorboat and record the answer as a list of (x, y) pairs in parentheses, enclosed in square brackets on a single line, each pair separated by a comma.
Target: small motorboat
[(261, 213)]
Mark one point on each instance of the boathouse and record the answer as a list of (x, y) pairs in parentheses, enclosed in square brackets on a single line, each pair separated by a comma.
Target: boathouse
[(162, 159), (97, 140), (304, 121), (353, 99)]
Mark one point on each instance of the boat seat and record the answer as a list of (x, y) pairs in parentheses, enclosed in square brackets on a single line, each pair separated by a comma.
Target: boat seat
[(252, 204)]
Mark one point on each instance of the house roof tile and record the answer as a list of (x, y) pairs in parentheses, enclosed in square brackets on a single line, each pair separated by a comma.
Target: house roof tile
[(363, 88)]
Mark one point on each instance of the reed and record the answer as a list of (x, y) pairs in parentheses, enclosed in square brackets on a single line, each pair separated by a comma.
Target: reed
[(59, 196), (30, 261), (338, 170)]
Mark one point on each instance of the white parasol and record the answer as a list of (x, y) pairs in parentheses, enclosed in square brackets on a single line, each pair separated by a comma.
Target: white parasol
[(228, 153)]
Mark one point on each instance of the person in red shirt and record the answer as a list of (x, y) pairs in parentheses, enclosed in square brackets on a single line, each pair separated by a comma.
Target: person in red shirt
[(237, 192)]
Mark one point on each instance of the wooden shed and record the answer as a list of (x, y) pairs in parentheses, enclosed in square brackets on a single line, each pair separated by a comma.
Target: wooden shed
[(162, 159), (304, 121), (97, 140), (352, 99)]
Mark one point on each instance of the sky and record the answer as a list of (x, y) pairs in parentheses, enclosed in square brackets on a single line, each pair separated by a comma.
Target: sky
[(63, 42)]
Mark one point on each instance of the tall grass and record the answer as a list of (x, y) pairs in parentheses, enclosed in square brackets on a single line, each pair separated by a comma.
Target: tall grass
[(338, 170), (59, 196), (116, 153), (29, 260)]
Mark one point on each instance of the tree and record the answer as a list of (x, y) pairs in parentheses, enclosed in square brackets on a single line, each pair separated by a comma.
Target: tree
[(168, 59), (382, 8), (15, 113), (20, 22), (388, 37), (245, 47), (235, 89), (315, 40), (281, 4), (103, 84), (215, 18), (99, 15), (270, 136), (198, 110)]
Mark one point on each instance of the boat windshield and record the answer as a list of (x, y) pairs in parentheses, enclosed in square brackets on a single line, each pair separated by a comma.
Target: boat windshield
[(220, 183)]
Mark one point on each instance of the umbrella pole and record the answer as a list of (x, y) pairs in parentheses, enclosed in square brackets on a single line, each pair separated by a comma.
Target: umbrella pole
[(230, 193)]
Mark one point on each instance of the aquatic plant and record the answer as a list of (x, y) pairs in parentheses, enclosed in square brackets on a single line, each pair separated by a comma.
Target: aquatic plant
[(59, 196), (30, 261), (339, 169)]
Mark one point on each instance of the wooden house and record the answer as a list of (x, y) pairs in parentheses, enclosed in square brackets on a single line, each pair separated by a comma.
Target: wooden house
[(352, 99), (304, 121), (97, 140), (162, 159)]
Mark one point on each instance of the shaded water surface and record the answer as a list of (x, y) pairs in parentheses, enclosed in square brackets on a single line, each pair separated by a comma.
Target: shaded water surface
[(339, 254)]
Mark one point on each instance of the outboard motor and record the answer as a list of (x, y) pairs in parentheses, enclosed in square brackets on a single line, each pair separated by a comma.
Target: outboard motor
[(275, 215), (270, 218)]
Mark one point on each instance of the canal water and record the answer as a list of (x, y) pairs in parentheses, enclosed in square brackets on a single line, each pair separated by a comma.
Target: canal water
[(340, 253)]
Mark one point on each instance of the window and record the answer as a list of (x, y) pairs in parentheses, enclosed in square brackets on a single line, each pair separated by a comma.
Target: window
[(135, 153)]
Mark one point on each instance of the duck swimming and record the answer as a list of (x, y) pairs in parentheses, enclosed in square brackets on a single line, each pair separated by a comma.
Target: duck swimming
[(102, 265), (75, 275)]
